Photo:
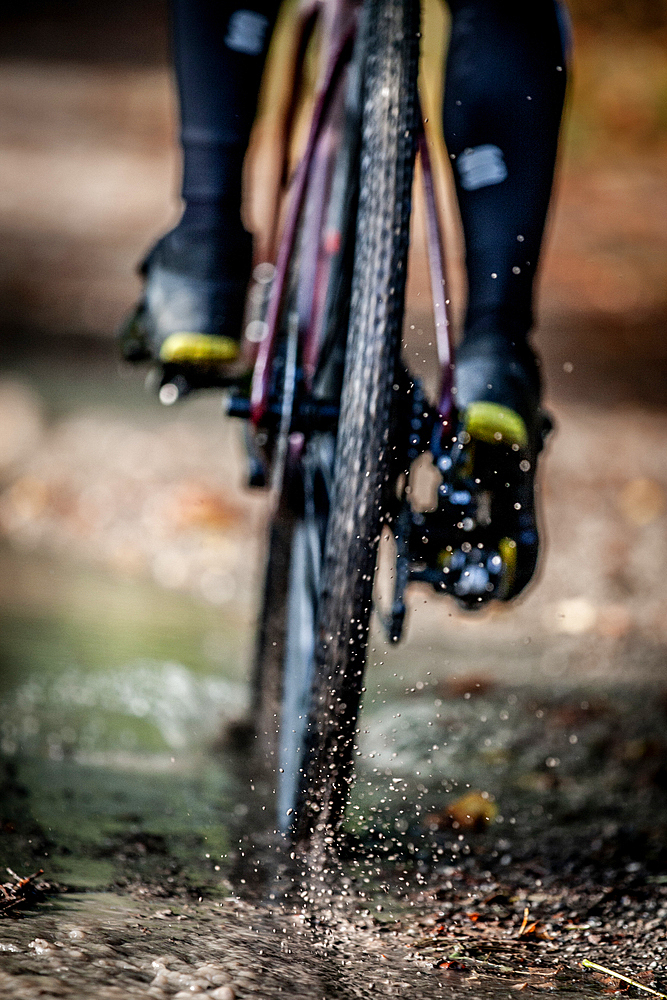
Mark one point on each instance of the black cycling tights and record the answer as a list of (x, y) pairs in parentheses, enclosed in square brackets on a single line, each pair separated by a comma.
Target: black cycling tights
[(505, 84), (219, 52), (504, 90)]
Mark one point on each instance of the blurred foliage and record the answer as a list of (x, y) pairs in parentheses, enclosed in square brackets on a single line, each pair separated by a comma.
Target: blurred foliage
[(618, 97), (626, 15)]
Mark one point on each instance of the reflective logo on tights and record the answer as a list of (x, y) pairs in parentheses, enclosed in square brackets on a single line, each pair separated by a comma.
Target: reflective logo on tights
[(246, 32), (481, 166)]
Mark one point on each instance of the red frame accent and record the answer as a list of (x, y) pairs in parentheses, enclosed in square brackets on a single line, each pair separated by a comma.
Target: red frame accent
[(340, 23), (339, 20), (437, 271)]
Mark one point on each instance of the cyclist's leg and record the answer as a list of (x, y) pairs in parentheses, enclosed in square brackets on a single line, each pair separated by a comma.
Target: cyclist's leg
[(503, 101), (505, 85), (196, 275)]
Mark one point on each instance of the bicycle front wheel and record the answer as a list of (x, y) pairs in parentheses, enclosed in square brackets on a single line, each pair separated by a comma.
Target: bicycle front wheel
[(317, 306), (391, 39)]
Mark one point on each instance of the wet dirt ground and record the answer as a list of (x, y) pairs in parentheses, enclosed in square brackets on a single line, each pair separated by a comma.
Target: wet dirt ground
[(509, 817)]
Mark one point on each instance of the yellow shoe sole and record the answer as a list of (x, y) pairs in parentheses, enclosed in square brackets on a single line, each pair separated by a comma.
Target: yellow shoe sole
[(198, 349), (508, 553), (495, 424)]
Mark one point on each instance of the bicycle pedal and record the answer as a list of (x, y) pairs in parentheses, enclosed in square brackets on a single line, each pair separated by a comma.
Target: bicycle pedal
[(169, 386), (175, 382), (173, 391), (480, 543), (476, 575)]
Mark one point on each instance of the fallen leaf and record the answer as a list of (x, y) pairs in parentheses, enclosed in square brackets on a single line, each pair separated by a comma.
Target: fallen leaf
[(609, 983), (642, 501), (473, 811), (535, 929), (197, 506), (458, 687)]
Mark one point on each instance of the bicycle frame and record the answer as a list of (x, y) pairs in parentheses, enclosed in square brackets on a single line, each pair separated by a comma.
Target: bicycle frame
[(426, 543), (339, 18), (339, 21)]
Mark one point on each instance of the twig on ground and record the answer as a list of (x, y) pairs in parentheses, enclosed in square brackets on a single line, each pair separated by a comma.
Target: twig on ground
[(619, 975)]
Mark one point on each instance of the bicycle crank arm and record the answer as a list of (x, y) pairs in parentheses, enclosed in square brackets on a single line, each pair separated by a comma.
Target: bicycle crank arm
[(455, 548), (309, 415)]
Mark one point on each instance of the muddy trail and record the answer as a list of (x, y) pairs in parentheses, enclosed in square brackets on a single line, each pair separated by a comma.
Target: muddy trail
[(497, 837), (508, 820), (509, 815)]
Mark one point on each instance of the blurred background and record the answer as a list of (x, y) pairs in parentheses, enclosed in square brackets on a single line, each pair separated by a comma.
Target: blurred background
[(130, 551)]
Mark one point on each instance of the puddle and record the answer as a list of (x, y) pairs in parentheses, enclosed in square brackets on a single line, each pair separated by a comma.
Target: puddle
[(109, 769), (117, 781), (110, 947)]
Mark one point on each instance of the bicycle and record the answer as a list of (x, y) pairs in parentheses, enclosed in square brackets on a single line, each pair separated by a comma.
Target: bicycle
[(334, 419)]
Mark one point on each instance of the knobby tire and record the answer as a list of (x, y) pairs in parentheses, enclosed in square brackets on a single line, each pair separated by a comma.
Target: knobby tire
[(286, 626), (364, 434)]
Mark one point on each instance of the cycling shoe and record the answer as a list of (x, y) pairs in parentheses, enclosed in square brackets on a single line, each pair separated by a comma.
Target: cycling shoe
[(489, 473), (499, 458), (191, 310), (490, 368)]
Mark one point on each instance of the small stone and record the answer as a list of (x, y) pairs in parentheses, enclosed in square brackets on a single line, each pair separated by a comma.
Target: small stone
[(165, 960), (162, 978), (42, 947), (76, 954), (215, 974), (223, 993)]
